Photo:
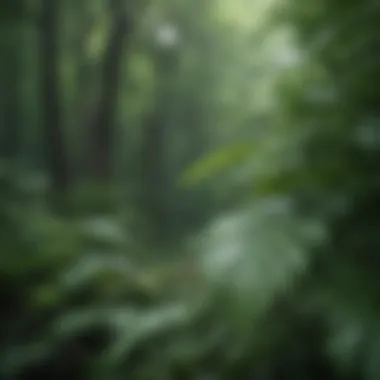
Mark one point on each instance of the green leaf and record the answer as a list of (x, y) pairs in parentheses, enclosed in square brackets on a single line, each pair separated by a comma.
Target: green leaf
[(219, 160)]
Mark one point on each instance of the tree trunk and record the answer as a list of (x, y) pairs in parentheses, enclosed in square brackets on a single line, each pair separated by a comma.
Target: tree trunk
[(55, 146), (101, 123), (11, 108), (13, 19)]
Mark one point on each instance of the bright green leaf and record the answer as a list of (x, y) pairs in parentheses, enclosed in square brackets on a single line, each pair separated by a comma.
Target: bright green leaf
[(214, 163)]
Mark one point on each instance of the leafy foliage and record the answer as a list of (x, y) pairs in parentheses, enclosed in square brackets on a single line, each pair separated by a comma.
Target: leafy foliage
[(270, 271)]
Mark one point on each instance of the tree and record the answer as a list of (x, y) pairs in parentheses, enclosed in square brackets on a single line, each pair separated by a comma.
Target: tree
[(101, 127), (12, 103), (52, 118)]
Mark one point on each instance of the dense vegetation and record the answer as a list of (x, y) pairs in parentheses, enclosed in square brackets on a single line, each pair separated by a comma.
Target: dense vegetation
[(189, 189)]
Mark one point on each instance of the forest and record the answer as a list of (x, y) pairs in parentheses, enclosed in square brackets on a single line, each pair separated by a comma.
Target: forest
[(188, 190)]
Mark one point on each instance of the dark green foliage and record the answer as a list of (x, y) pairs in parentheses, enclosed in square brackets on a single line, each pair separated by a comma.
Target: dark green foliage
[(259, 261)]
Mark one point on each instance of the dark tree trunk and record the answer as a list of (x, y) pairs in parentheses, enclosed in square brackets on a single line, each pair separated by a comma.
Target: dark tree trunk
[(101, 124), (55, 146), (11, 109), (13, 19), (79, 12)]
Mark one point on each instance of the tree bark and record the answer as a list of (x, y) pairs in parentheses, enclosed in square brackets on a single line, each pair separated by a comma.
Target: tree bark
[(101, 126), (56, 154), (13, 23), (11, 102)]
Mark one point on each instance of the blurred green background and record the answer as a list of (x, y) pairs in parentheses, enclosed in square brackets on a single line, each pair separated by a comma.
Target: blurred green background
[(188, 189)]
